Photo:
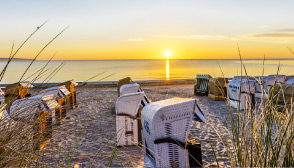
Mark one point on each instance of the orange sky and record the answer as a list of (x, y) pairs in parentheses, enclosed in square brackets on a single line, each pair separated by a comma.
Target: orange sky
[(146, 29)]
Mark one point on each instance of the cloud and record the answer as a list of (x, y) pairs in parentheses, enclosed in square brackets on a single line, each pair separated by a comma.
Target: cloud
[(265, 26), (286, 30), (136, 39), (272, 35), (204, 37)]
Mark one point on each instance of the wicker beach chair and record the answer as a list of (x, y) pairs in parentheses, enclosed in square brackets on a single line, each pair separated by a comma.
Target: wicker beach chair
[(282, 97), (129, 88), (127, 118), (217, 89), (166, 125), (60, 94), (121, 82), (263, 85), (241, 93), (128, 80), (16, 91), (201, 87), (35, 113), (72, 98)]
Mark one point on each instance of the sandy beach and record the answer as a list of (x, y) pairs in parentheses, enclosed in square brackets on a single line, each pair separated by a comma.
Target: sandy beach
[(88, 136)]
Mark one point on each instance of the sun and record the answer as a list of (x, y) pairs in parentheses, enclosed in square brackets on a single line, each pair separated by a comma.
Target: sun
[(167, 54)]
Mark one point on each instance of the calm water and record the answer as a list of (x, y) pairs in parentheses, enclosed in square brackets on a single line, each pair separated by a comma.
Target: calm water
[(142, 69)]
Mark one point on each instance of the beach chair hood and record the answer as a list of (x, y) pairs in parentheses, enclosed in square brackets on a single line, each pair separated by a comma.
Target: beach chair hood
[(236, 87), (57, 91), (27, 108), (166, 119), (129, 104), (129, 88)]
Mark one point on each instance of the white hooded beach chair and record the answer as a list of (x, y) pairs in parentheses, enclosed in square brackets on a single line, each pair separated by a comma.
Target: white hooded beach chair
[(60, 93), (129, 88), (166, 125), (264, 84), (36, 112), (241, 91), (127, 118)]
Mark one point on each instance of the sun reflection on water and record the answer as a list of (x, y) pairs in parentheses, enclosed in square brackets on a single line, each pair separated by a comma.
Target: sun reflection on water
[(167, 69)]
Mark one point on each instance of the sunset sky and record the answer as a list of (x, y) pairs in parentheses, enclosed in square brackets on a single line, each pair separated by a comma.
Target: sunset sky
[(146, 29)]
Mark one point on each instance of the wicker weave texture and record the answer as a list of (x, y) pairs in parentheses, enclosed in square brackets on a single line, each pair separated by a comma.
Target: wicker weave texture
[(167, 118)]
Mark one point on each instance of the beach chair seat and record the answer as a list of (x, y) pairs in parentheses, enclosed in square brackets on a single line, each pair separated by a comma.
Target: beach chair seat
[(263, 85), (60, 94), (72, 98), (36, 112), (283, 97), (217, 89), (166, 125), (241, 93), (127, 118), (201, 87)]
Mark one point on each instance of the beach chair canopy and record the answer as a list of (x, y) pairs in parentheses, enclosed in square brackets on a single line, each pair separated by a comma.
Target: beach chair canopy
[(267, 82), (290, 81), (69, 84), (201, 86), (129, 88), (166, 125), (238, 86), (13, 89), (26, 108), (57, 91), (123, 81), (283, 95), (128, 104), (217, 88)]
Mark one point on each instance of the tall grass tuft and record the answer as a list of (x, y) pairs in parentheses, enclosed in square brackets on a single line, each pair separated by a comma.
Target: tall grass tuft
[(261, 136)]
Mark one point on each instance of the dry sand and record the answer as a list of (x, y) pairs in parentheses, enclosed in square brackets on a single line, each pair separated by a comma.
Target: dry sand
[(87, 138)]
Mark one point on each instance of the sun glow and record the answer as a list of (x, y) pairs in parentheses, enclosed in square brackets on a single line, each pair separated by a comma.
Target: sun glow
[(167, 54)]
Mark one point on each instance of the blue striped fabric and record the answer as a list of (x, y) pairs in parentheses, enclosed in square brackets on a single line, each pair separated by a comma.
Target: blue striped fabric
[(198, 115), (145, 100)]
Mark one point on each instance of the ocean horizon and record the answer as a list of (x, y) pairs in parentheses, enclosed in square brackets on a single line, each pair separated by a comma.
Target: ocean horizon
[(140, 69)]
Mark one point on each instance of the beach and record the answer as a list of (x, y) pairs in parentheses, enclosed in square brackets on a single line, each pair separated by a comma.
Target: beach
[(88, 136)]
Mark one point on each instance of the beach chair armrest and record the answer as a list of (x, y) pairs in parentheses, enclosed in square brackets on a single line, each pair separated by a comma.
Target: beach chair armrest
[(169, 140), (127, 115)]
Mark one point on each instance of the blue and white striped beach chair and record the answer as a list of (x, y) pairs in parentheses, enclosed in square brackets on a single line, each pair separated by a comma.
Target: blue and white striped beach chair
[(201, 87)]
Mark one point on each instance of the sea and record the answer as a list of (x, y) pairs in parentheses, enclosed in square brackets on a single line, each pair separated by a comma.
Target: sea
[(112, 70)]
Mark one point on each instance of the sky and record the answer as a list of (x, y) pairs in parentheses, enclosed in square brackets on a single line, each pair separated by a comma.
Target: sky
[(146, 29)]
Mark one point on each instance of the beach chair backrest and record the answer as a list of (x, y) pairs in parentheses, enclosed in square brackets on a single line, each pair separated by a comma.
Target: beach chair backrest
[(129, 88), (163, 123), (129, 104), (57, 91), (18, 89), (26, 109)]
